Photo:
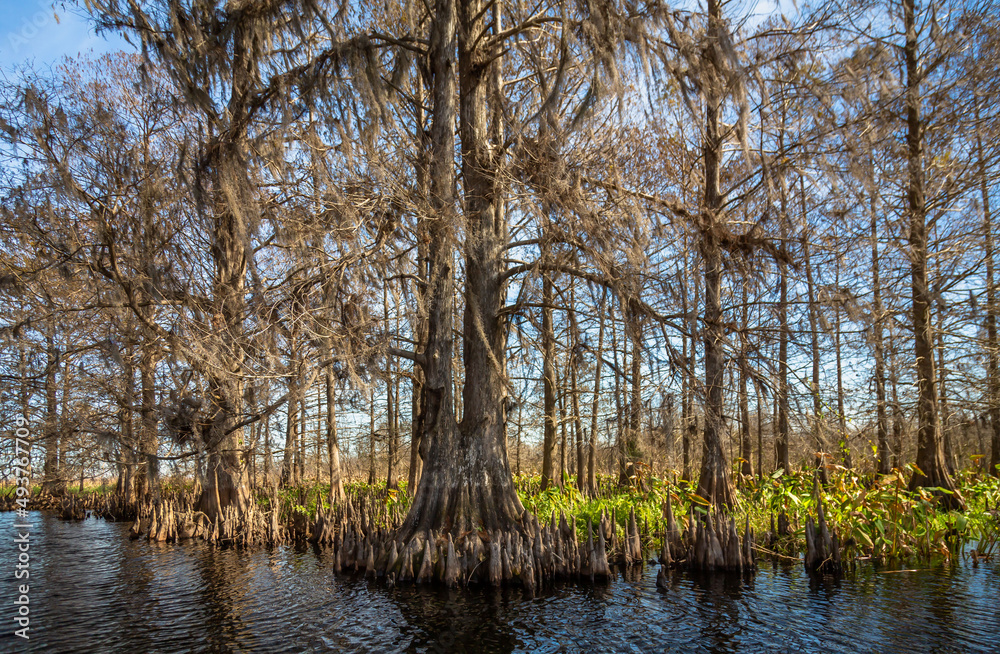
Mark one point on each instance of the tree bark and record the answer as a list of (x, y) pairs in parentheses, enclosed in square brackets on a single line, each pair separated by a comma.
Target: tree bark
[(52, 483), (466, 484), (816, 422), (596, 398), (291, 423), (422, 174), (581, 478), (992, 352), (630, 446), (561, 479), (133, 468), (226, 158), (783, 337), (689, 421), (332, 445), (932, 470), (714, 483), (897, 409), (390, 408), (843, 437), (548, 384), (881, 419), (746, 453)]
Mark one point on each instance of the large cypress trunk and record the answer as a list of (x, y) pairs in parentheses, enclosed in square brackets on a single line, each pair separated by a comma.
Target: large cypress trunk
[(933, 471), (225, 485), (714, 483), (466, 485)]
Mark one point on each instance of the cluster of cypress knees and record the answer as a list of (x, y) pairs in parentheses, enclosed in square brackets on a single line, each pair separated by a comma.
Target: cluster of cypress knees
[(360, 536)]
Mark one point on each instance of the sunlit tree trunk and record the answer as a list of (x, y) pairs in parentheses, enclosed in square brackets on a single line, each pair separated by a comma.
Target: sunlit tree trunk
[(992, 353), (596, 398), (714, 483), (842, 435), (548, 385), (52, 482), (881, 418), (932, 470), (816, 420), (746, 453), (466, 483), (574, 359)]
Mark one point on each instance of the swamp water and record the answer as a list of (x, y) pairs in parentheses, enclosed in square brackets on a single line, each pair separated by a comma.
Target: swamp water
[(94, 590)]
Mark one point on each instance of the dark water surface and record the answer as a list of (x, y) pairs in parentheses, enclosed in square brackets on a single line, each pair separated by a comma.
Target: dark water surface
[(94, 590)]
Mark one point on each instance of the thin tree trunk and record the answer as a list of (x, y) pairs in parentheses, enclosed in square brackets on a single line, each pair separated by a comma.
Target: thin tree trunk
[(332, 444), (519, 416), (760, 434), (291, 427), (371, 437), (596, 398), (319, 435), (816, 424), (581, 478), (51, 483), (882, 420), (690, 427), (992, 350), (944, 415), (390, 408), (300, 452), (126, 426), (845, 443), (619, 410), (784, 334), (574, 359), (422, 174), (630, 449), (148, 438), (746, 467), (897, 409), (561, 480), (782, 441), (548, 385)]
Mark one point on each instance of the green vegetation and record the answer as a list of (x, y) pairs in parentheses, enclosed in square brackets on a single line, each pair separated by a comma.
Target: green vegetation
[(877, 518)]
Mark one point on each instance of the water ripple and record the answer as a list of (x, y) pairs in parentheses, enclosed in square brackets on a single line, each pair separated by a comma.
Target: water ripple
[(93, 590)]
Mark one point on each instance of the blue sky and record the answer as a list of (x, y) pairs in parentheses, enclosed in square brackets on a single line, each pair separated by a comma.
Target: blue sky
[(31, 34)]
